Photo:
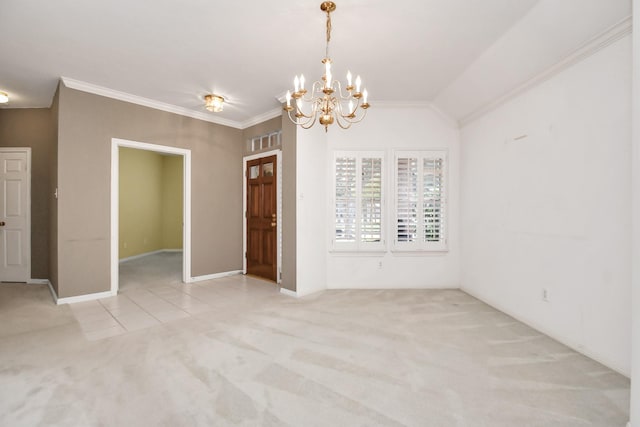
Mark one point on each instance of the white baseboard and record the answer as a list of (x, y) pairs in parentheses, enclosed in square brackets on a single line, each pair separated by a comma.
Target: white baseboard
[(288, 292), (38, 281), (215, 276), (83, 298), (572, 345), (146, 254)]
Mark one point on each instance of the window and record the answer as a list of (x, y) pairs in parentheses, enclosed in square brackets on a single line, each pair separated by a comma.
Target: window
[(262, 142), (358, 201), (420, 201)]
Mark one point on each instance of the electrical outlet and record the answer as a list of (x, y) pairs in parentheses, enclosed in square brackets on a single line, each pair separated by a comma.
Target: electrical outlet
[(379, 265), (545, 295)]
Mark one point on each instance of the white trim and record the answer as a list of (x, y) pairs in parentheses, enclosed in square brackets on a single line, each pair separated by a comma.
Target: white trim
[(83, 298), (288, 292), (115, 180), (170, 108), (146, 254), (54, 295), (215, 276), (78, 298), (146, 102), (278, 154), (535, 325), (590, 47), (37, 281), (268, 115), (26, 150)]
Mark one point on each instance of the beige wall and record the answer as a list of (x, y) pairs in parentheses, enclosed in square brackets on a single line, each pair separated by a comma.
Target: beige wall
[(289, 210), (150, 205), (87, 124), (53, 201), (172, 194), (35, 128)]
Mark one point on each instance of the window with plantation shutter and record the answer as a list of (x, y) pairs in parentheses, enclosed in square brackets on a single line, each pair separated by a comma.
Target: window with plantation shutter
[(358, 201), (420, 200)]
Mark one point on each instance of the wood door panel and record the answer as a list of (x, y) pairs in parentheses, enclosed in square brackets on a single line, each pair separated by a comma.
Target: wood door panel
[(262, 217)]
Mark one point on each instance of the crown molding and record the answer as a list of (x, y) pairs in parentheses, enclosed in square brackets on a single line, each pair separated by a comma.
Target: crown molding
[(271, 114), (590, 47), (146, 102)]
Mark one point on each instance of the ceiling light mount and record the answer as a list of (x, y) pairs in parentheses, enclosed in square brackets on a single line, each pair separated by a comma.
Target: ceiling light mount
[(214, 103), (326, 102)]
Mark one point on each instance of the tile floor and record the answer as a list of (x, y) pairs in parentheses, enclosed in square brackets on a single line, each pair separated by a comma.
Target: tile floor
[(151, 292), (236, 352)]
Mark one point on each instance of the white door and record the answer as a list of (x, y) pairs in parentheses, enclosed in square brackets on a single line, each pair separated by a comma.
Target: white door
[(14, 216)]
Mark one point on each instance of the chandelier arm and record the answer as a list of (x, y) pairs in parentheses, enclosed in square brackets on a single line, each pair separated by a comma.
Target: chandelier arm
[(341, 94)]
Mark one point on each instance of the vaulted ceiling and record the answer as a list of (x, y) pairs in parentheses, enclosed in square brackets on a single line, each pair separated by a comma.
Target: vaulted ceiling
[(459, 55)]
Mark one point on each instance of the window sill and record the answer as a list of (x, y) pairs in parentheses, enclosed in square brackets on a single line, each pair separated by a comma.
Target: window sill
[(419, 252), (357, 253)]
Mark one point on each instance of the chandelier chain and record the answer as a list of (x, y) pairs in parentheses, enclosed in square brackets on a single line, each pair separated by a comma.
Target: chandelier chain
[(328, 32)]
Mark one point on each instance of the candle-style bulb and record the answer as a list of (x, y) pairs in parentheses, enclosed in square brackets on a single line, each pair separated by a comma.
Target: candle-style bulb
[(296, 83), (288, 99), (329, 77), (350, 107), (348, 78), (365, 94), (358, 83), (301, 81)]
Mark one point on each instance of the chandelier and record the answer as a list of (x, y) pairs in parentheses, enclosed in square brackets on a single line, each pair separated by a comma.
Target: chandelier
[(326, 102)]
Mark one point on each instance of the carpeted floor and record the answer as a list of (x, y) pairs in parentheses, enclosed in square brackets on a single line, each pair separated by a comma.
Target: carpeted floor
[(248, 355)]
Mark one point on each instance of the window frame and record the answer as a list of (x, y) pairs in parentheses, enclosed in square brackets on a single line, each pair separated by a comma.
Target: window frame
[(420, 245), (359, 245)]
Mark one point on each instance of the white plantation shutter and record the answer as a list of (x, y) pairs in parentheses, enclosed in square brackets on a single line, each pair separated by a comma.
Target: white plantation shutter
[(358, 201), (345, 207), (420, 200), (371, 200)]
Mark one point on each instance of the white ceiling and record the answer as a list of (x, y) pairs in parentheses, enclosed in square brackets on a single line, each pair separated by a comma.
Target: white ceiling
[(458, 54)]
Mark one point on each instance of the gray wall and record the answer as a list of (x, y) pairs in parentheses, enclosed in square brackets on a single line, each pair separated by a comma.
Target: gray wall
[(87, 123), (53, 202), (289, 213), (35, 128)]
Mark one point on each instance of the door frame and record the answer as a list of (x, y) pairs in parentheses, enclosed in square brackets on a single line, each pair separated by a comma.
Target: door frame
[(278, 154), (26, 150), (116, 143)]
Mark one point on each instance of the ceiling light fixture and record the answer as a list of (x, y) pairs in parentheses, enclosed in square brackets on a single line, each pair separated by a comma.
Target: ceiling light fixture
[(326, 102), (4, 98), (214, 103)]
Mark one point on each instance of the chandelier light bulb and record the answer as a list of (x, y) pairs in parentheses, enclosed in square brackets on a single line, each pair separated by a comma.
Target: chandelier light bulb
[(288, 99), (358, 84), (364, 96), (348, 78), (296, 84)]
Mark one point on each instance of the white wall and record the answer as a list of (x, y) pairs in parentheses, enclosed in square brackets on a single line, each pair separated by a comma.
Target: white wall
[(552, 210), (635, 162), (311, 157), (388, 128)]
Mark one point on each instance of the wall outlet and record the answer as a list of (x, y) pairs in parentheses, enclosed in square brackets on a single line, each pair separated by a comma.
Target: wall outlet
[(545, 295), (379, 265)]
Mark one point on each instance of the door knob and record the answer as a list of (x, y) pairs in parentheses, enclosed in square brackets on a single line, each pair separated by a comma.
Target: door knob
[(273, 216), (273, 224)]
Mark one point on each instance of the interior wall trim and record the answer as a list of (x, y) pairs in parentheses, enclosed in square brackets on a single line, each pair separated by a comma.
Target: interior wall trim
[(588, 48), (146, 102), (288, 292), (215, 276), (78, 298), (146, 254)]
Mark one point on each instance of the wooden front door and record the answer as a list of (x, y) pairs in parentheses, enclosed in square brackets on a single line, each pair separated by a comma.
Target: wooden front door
[(262, 217)]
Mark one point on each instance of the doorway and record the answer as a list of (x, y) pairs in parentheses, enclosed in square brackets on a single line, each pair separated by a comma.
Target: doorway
[(15, 214), (262, 207), (116, 145)]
